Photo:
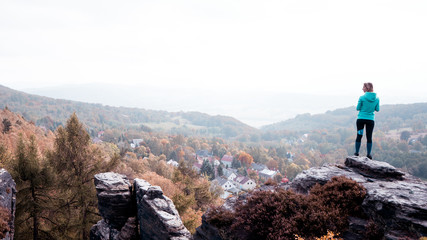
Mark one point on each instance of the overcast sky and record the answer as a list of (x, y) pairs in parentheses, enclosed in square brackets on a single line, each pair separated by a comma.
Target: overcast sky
[(267, 47)]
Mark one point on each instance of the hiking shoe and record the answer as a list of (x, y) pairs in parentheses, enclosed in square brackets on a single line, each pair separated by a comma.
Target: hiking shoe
[(369, 156), (356, 154)]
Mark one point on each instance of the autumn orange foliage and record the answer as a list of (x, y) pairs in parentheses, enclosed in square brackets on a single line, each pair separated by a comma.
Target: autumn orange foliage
[(169, 188), (246, 159), (21, 127), (329, 236)]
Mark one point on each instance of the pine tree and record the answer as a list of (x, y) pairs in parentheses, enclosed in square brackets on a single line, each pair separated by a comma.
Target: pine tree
[(34, 179), (220, 170), (202, 193), (207, 169), (4, 157), (7, 126), (235, 163), (76, 162)]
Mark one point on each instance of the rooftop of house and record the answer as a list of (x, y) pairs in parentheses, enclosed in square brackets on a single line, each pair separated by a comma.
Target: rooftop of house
[(203, 153), (245, 180), (221, 181), (198, 165), (258, 167), (268, 172), (229, 173), (227, 158)]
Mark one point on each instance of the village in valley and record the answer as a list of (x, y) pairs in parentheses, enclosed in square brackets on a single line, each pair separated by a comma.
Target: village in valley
[(230, 175)]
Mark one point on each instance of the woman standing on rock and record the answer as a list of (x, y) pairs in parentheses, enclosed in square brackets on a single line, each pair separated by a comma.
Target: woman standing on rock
[(367, 105)]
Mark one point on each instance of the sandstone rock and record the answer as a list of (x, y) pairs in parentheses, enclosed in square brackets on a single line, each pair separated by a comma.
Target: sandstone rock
[(357, 228), (8, 199), (114, 193), (129, 230), (308, 178), (207, 231), (157, 215), (103, 231), (117, 207), (100, 231), (395, 200), (373, 169), (399, 205)]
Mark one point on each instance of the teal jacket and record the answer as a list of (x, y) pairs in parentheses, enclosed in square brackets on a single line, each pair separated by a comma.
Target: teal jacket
[(366, 106)]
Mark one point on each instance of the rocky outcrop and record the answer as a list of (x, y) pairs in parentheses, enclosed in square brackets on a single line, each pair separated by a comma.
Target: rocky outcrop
[(395, 201), (374, 169), (206, 231), (360, 169), (114, 193), (102, 230), (8, 200), (157, 215), (117, 208), (124, 209)]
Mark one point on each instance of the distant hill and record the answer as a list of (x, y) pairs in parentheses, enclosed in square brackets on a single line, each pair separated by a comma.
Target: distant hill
[(390, 117), (253, 107), (50, 113)]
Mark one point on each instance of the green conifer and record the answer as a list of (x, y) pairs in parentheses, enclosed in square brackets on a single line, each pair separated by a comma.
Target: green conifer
[(207, 169), (76, 162), (34, 180), (7, 125), (220, 170), (4, 157)]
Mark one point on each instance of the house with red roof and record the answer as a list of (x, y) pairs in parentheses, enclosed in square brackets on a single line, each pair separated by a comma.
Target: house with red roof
[(227, 160)]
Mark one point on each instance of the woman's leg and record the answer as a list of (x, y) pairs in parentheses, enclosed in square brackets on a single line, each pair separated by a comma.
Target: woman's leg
[(369, 129), (359, 126)]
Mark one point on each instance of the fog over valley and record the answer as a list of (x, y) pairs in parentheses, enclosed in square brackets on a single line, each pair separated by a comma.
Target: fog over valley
[(255, 108)]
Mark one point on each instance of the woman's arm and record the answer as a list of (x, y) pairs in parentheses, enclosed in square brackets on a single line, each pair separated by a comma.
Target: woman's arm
[(359, 104), (377, 107)]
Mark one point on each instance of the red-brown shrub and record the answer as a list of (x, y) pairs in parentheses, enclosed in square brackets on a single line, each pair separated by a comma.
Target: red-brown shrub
[(341, 192), (282, 214), (270, 182), (220, 217), (4, 219)]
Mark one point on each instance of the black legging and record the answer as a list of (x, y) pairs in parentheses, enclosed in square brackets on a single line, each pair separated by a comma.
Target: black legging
[(360, 124)]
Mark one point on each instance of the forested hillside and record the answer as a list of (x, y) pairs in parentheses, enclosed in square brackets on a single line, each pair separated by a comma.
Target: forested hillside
[(13, 126), (390, 117), (54, 172), (51, 113)]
